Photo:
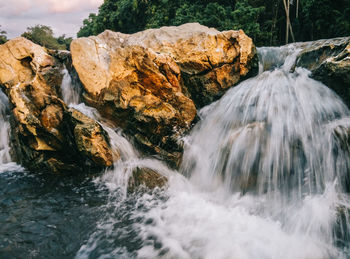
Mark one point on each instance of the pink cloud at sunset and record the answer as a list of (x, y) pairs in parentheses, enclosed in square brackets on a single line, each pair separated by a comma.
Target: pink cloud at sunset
[(62, 6), (64, 16)]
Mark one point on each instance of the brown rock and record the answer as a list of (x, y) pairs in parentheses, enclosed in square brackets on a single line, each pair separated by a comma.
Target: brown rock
[(146, 177), (91, 139), (149, 82), (42, 133), (37, 110)]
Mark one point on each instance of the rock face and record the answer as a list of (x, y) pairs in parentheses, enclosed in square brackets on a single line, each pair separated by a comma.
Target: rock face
[(329, 62), (151, 82), (43, 130)]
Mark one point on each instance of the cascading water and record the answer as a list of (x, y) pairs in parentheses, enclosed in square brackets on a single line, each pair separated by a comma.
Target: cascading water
[(117, 178), (267, 169), (265, 174), (70, 92), (6, 163), (4, 131)]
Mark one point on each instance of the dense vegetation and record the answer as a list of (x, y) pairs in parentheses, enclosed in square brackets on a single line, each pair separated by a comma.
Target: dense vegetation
[(43, 35), (263, 20)]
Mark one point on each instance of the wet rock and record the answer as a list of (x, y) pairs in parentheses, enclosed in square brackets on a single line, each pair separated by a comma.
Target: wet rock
[(146, 177), (43, 133), (150, 83), (329, 62), (91, 139)]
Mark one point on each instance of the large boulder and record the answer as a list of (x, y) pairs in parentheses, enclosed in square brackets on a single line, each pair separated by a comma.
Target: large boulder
[(329, 62), (43, 130), (150, 83)]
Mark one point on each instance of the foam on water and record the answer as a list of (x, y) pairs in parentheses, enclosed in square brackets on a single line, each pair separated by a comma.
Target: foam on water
[(264, 175), (267, 165)]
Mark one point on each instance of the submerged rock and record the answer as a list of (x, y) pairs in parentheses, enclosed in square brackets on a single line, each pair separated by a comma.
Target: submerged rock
[(329, 62), (146, 177), (150, 83), (43, 131)]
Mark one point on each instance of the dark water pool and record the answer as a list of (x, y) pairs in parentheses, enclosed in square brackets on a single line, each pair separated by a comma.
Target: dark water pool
[(44, 216)]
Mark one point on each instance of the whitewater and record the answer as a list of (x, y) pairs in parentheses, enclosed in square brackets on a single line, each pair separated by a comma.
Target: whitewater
[(265, 174)]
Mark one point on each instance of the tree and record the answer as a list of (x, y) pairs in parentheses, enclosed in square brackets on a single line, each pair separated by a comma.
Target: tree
[(63, 41), (286, 4), (3, 37), (268, 22), (43, 35), (324, 19), (88, 27), (246, 17)]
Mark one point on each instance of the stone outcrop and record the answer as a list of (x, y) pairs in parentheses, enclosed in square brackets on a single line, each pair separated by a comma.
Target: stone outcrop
[(150, 83), (45, 135), (329, 62)]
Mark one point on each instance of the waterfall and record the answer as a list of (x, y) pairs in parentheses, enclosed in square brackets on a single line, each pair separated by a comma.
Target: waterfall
[(70, 91), (265, 175), (6, 163), (274, 134), (4, 130), (267, 168), (116, 178)]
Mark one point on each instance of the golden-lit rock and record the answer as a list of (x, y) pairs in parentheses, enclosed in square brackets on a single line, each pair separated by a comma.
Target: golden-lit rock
[(44, 136), (150, 83), (91, 139)]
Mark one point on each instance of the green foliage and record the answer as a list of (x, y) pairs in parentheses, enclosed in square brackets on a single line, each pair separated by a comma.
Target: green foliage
[(246, 17), (63, 41), (263, 20), (43, 35), (3, 37), (324, 19)]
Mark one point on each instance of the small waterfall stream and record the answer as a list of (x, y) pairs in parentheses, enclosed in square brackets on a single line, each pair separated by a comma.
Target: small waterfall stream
[(265, 174), (6, 163), (70, 92)]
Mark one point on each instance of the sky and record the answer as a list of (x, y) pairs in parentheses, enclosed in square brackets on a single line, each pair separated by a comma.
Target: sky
[(63, 16)]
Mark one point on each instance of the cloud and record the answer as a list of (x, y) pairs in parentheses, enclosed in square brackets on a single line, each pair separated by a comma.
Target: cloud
[(64, 16), (65, 6), (14, 8)]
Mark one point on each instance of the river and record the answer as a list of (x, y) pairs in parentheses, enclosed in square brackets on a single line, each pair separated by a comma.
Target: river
[(265, 174)]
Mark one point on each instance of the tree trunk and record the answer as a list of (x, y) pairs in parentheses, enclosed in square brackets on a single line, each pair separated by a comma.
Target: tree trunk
[(297, 11), (288, 24)]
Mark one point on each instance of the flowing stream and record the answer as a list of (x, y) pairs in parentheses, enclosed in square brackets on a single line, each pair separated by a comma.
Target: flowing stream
[(265, 174), (6, 163)]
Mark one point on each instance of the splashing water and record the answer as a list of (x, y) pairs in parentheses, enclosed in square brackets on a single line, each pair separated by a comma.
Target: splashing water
[(6, 163), (267, 170), (265, 174)]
